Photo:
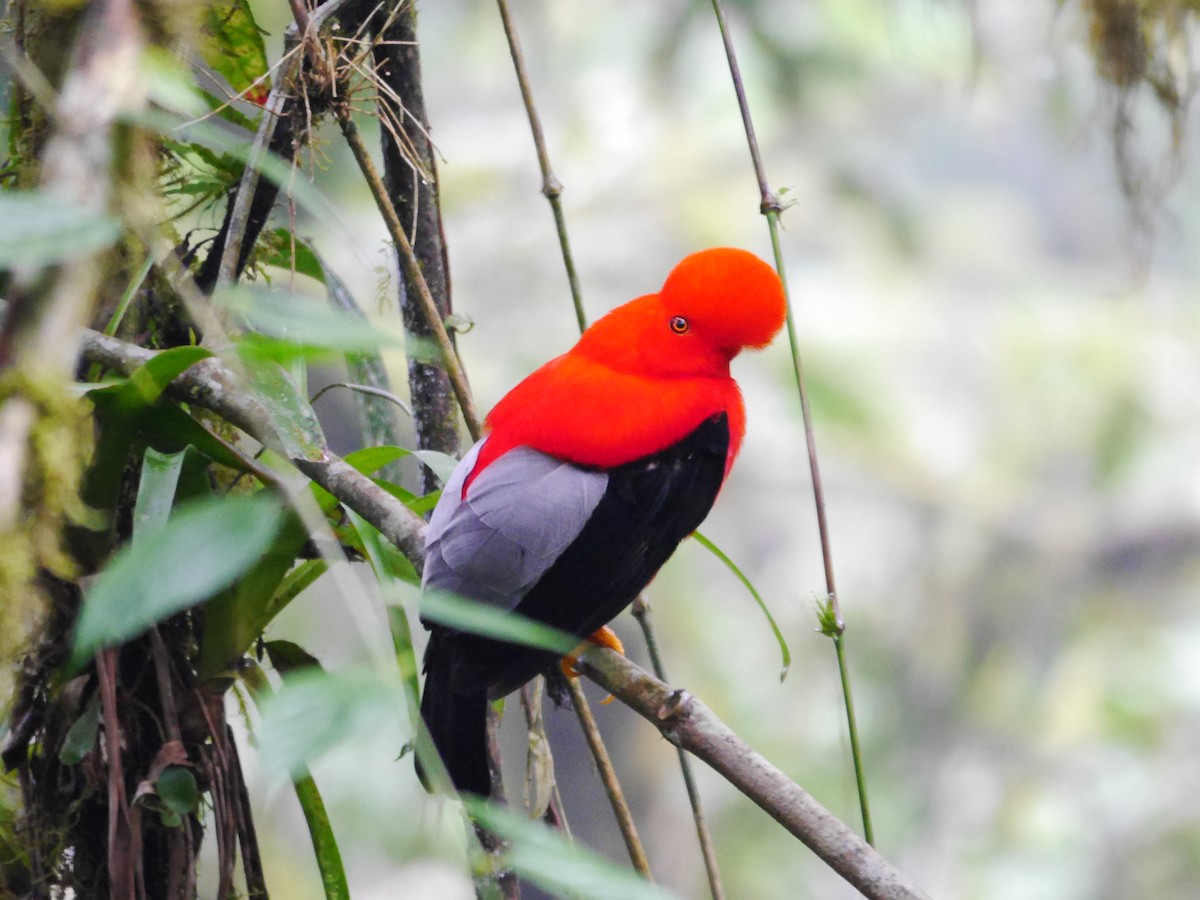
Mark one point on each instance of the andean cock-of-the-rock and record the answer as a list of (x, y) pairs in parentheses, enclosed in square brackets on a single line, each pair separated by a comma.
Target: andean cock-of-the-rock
[(590, 473)]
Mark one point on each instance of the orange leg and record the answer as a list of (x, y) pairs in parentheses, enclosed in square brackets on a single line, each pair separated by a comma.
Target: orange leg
[(602, 637)]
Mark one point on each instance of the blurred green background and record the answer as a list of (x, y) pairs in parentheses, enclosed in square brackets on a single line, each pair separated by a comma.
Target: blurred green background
[(1003, 352)]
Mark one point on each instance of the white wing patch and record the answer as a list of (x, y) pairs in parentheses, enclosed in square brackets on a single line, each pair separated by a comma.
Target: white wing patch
[(520, 514)]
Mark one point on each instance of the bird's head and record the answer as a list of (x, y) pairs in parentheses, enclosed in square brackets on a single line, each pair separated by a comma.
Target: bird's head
[(714, 304)]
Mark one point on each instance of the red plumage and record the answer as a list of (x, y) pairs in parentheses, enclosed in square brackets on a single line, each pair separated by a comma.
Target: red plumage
[(631, 385)]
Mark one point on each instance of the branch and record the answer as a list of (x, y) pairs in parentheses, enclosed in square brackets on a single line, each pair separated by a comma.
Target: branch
[(612, 787), (408, 259), (690, 725), (213, 386)]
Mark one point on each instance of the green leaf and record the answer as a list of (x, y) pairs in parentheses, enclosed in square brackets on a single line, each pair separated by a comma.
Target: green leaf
[(504, 624), (231, 43), (422, 504), (217, 138), (369, 460), (325, 845), (38, 228), (741, 576), (441, 464), (149, 380), (169, 429), (237, 616), (554, 864), (301, 258), (176, 788), (406, 659), (288, 657), (291, 414), (304, 323), (386, 560), (169, 83), (299, 580), (204, 547), (316, 710), (827, 619), (81, 736), (156, 491)]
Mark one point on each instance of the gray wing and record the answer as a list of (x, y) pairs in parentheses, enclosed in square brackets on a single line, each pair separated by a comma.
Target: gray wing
[(520, 514)]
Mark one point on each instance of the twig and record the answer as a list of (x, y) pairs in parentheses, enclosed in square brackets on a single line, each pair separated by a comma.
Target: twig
[(772, 208), (689, 724), (217, 767), (641, 612), (860, 778), (122, 853), (532, 694), (449, 358), (162, 673), (499, 876), (239, 217), (300, 14), (612, 787), (551, 187), (370, 391), (256, 885)]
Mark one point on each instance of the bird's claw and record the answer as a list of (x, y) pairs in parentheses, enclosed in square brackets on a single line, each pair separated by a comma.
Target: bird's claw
[(601, 637)]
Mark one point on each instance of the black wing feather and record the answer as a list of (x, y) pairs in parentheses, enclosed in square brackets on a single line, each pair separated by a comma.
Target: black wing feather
[(649, 506)]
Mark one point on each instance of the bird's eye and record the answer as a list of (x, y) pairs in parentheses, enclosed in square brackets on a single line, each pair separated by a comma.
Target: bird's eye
[(679, 325)]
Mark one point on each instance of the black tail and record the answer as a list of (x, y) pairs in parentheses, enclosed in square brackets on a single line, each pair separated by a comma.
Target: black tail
[(456, 722)]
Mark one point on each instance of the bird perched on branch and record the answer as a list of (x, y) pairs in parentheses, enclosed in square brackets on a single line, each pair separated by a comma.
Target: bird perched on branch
[(591, 472)]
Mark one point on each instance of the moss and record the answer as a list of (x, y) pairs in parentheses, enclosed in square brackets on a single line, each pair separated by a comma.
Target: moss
[(45, 30), (1138, 44), (57, 449)]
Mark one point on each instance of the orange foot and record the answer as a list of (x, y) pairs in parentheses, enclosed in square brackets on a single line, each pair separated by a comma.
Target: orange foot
[(602, 637)]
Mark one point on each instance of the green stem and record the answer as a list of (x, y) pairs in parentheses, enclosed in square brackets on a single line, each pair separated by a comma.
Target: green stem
[(325, 846), (122, 308), (126, 298), (772, 208), (860, 775), (551, 187)]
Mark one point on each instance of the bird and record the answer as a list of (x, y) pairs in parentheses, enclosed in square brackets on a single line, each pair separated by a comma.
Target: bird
[(589, 474)]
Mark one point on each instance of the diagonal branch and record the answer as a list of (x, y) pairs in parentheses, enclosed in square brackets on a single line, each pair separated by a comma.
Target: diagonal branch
[(213, 386), (612, 787), (689, 724), (408, 259)]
